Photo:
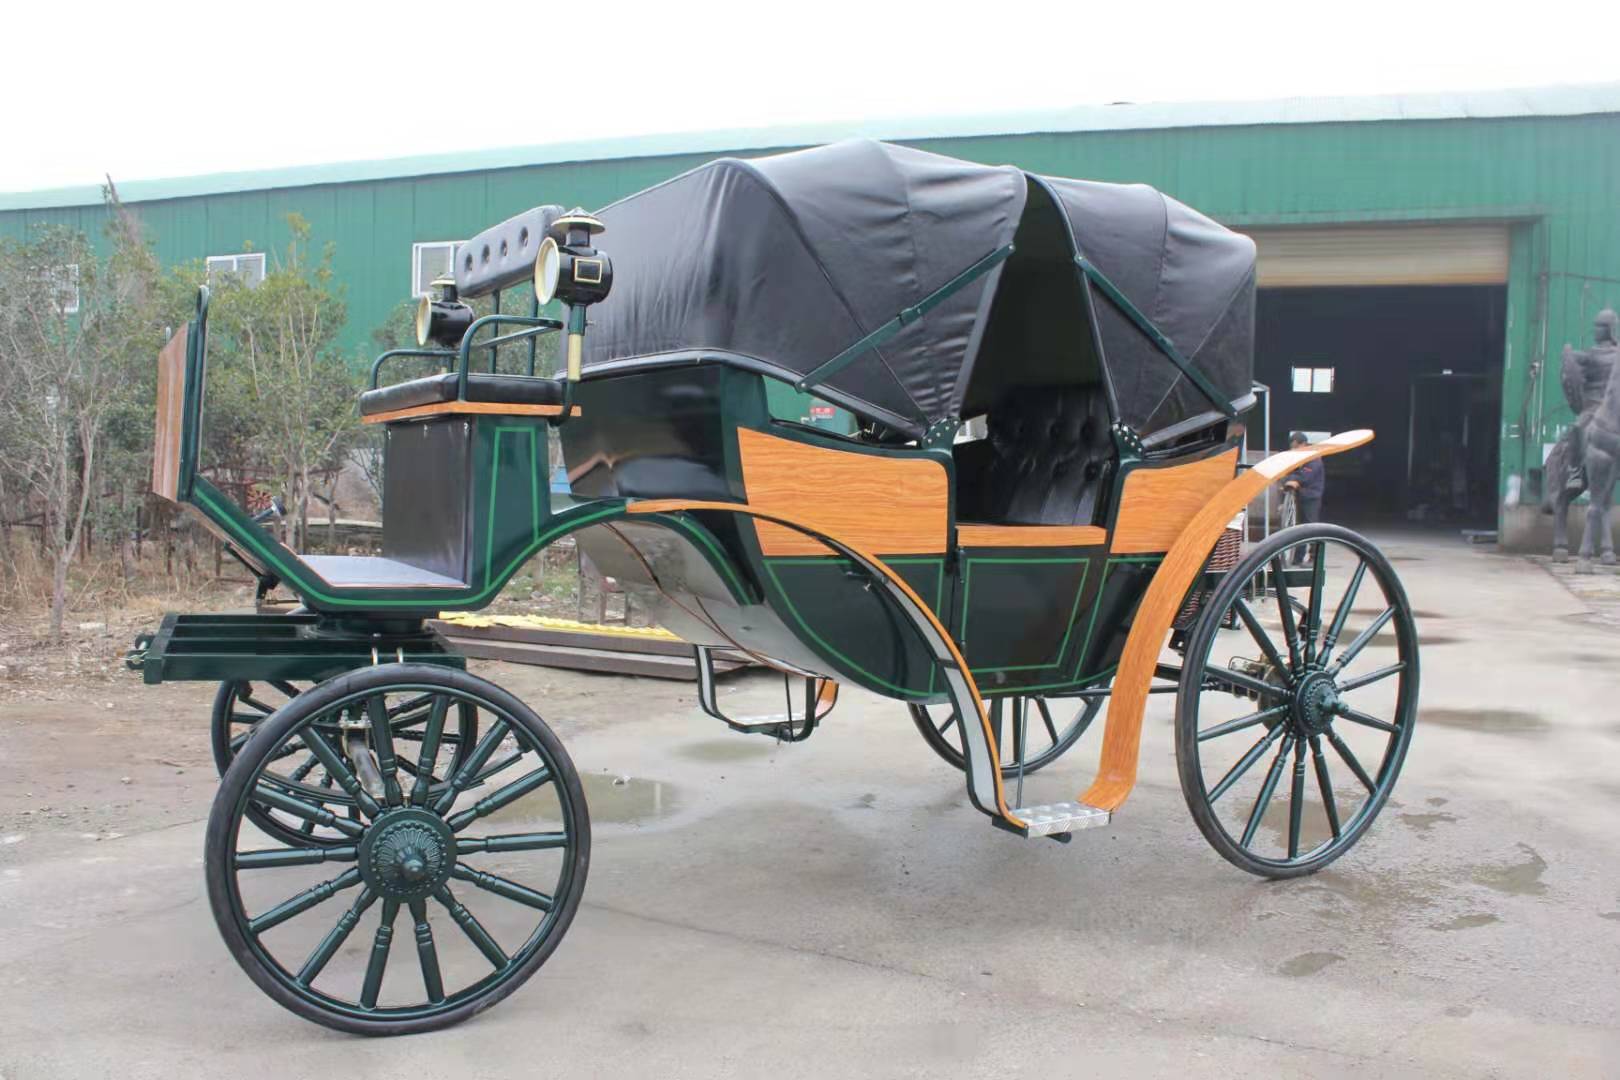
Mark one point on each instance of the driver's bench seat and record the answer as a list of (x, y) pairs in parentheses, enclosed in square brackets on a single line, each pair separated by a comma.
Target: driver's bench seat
[(420, 395)]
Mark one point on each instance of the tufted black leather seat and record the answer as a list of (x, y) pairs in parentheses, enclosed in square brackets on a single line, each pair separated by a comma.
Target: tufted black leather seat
[(436, 389), (1047, 459)]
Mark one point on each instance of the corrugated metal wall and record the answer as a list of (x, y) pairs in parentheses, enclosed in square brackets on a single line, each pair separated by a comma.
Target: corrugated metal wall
[(1557, 179)]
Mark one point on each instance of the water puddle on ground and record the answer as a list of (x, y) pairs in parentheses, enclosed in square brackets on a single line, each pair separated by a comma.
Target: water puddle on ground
[(1495, 721), (1515, 879), (1314, 830), (1426, 822), (1466, 922), (740, 748), (1307, 963)]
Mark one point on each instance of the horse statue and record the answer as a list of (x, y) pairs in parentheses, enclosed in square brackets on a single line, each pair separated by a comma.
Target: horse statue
[(1586, 457)]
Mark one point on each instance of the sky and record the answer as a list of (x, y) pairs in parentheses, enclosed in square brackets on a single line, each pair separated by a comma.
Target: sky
[(142, 91)]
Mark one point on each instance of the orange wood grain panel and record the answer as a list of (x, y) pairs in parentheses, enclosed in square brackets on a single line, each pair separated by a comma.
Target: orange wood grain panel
[(171, 404), (1156, 504), (1030, 535), (1122, 735), (890, 505), (449, 408)]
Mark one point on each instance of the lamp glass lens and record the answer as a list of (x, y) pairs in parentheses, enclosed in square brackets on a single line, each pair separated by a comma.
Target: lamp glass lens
[(547, 269), (424, 319)]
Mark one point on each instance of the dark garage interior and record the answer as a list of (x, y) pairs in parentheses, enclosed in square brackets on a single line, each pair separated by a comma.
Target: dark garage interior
[(1420, 365)]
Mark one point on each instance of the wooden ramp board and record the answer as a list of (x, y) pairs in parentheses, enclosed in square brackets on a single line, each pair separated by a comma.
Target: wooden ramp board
[(579, 646)]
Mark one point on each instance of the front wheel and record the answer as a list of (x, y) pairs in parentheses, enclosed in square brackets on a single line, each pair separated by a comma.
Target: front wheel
[(485, 861), (1292, 727)]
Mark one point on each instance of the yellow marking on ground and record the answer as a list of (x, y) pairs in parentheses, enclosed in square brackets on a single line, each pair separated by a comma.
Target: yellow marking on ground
[(543, 622)]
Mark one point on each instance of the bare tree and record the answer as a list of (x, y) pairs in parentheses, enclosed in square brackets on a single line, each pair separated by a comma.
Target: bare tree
[(72, 332)]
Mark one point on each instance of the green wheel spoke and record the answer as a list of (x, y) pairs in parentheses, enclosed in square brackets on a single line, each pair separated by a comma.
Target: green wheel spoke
[(1261, 638), (1360, 641), (317, 815), (1242, 722), (338, 769), (304, 769), (1350, 760), (1325, 784), (1313, 614), (275, 857), (382, 741), (334, 939), (251, 702), (1236, 772), (1267, 789), (465, 775), (499, 767), (430, 751), (502, 887), (1046, 718), (1371, 677), (1243, 680), (472, 928), (500, 798), (535, 841), (297, 905), (1356, 716), (379, 955), (432, 981), (1285, 612), (1343, 613), (1296, 796), (950, 722)]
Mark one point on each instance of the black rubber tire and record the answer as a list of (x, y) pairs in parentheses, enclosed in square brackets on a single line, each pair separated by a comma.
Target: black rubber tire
[(1199, 644), (223, 822)]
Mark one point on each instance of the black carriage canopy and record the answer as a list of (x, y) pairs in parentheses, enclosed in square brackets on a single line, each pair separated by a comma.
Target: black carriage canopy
[(914, 288)]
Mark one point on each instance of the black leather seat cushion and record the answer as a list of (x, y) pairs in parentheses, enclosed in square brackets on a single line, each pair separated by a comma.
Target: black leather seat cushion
[(1047, 457), (435, 389)]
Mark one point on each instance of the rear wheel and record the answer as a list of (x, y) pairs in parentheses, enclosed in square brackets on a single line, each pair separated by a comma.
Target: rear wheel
[(1034, 730), (241, 705), (1291, 729), (486, 863)]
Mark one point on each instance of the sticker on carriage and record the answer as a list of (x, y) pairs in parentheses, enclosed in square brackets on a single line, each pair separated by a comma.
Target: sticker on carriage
[(1026, 534)]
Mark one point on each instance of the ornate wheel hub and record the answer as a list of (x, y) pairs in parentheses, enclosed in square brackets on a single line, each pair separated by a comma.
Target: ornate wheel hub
[(407, 854), (1315, 702)]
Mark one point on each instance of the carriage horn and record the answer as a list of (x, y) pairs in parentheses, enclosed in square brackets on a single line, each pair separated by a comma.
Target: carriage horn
[(570, 269), (441, 316)]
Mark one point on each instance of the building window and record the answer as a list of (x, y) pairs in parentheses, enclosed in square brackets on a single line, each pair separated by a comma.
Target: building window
[(1313, 380), (431, 260), (248, 269), (64, 282)]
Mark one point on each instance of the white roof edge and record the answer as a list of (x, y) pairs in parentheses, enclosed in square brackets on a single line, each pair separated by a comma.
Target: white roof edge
[(1563, 100)]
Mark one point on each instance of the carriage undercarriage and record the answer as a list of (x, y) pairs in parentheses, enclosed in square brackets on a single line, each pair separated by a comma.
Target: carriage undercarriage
[(910, 564)]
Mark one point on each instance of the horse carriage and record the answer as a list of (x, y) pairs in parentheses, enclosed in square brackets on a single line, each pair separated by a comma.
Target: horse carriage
[(1048, 377)]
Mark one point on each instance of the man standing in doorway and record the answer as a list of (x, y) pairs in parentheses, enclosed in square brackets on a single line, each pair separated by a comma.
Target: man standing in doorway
[(1306, 483)]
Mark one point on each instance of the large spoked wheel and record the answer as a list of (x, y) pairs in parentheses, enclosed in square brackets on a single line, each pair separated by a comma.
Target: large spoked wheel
[(1041, 729), (240, 706), (495, 849), (1291, 729)]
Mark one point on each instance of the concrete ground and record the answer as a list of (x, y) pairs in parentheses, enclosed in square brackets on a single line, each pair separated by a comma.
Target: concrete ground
[(836, 909)]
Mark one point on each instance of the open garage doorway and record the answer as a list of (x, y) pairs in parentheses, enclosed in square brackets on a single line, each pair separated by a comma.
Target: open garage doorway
[(1421, 366), (1399, 328)]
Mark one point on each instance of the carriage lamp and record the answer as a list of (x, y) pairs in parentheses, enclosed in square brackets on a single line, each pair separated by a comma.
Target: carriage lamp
[(441, 316), (569, 269)]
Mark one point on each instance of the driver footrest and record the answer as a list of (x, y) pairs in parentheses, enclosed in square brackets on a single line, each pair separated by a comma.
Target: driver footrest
[(1056, 819)]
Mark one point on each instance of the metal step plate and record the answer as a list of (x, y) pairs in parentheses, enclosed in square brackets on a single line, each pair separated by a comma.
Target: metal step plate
[(1062, 817)]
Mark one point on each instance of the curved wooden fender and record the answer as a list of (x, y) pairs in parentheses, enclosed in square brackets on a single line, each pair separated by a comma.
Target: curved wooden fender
[(983, 777), (1122, 735)]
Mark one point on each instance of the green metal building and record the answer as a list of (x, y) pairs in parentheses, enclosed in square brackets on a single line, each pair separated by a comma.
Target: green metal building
[(1422, 258)]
